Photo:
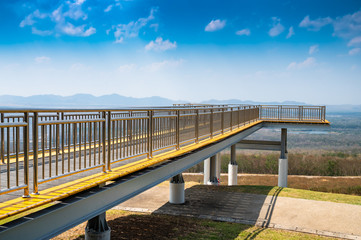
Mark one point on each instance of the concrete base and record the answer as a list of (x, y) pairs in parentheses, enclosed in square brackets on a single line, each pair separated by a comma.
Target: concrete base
[(97, 228), (176, 190), (176, 193), (232, 174), (282, 172), (213, 181)]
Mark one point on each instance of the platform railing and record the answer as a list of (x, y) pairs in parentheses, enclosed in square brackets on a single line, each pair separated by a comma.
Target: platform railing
[(38, 146)]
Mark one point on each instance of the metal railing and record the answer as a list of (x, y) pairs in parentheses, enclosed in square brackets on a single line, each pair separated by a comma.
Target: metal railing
[(38, 146)]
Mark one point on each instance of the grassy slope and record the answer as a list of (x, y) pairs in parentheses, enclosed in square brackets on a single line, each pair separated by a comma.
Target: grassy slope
[(290, 192)]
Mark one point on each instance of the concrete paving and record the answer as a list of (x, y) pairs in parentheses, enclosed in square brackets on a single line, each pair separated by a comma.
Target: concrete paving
[(317, 217)]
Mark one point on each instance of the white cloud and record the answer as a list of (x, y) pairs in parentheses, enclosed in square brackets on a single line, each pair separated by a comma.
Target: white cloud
[(72, 30), (354, 41), (315, 25), (155, 26), (160, 45), (309, 62), (348, 26), (109, 8), (131, 29), (30, 19), (67, 19), (126, 68), (156, 66), (277, 27), (291, 32), (215, 25), (242, 32), (36, 31), (42, 59), (354, 51), (313, 49)]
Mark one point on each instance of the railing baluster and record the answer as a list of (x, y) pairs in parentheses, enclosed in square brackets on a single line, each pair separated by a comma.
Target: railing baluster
[(26, 155), (35, 152)]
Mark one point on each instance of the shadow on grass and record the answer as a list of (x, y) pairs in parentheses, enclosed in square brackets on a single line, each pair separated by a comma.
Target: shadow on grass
[(228, 204)]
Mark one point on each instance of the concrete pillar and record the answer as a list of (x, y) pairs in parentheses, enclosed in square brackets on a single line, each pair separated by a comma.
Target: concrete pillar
[(232, 168), (282, 172), (218, 166), (206, 171), (283, 161), (176, 190), (213, 171), (97, 228)]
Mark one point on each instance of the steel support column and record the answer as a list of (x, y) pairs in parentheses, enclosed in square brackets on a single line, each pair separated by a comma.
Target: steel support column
[(213, 171), (97, 228)]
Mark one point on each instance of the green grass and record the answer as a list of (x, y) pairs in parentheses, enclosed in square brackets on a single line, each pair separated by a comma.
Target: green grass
[(290, 192), (223, 230)]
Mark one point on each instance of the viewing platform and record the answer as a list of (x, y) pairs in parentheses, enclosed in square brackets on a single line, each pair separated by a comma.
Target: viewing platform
[(71, 165)]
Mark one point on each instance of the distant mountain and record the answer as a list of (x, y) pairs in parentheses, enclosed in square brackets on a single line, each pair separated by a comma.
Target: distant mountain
[(237, 101), (82, 101), (118, 101)]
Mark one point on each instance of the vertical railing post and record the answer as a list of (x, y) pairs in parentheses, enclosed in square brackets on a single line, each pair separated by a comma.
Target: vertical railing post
[(26, 155), (231, 122), (300, 113), (260, 113), (178, 130), (238, 118), (35, 152), (57, 141), (222, 121), (104, 134), (2, 140), (197, 126), (281, 114), (150, 134), (323, 113), (211, 124), (109, 124), (62, 143)]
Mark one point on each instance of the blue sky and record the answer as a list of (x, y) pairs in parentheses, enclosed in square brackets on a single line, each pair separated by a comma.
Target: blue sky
[(307, 51)]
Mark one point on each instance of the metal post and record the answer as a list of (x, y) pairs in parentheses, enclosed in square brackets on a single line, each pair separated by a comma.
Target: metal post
[(35, 153), (26, 155), (211, 123), (177, 129), (109, 124), (104, 134), (222, 120), (238, 118), (2, 140), (231, 121), (97, 228), (150, 134), (213, 171), (197, 126)]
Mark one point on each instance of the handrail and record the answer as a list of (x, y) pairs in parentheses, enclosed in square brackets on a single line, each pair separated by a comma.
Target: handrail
[(63, 142)]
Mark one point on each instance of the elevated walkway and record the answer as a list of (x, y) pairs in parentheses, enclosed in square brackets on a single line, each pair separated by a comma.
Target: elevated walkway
[(178, 140)]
